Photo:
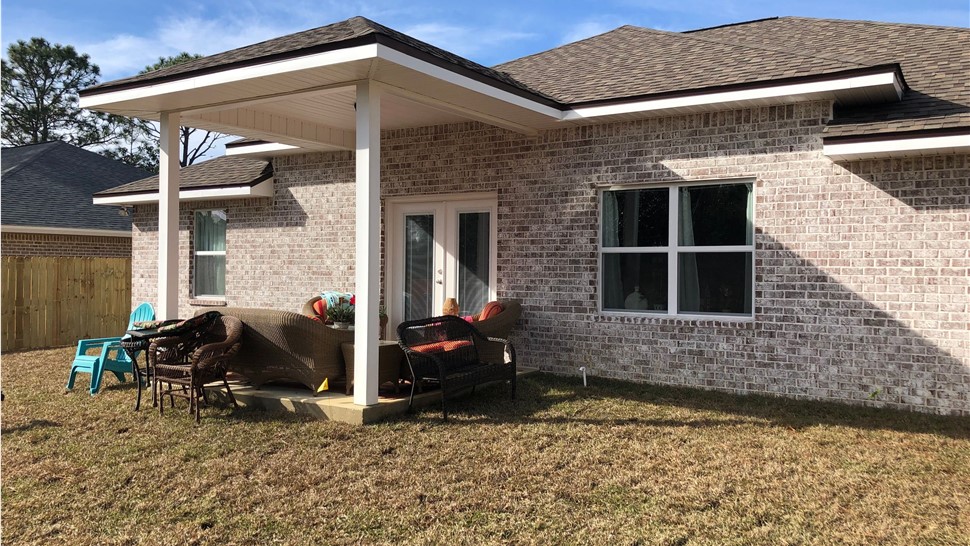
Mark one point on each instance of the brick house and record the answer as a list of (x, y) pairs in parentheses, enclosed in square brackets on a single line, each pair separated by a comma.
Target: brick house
[(47, 208), (780, 206)]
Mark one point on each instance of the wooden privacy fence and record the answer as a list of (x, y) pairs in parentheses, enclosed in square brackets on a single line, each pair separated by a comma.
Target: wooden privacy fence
[(55, 301)]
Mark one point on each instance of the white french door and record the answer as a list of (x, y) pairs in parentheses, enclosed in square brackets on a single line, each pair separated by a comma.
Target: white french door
[(438, 249)]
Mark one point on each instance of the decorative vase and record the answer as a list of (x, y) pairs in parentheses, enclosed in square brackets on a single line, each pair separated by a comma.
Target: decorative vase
[(450, 307), (383, 328), (341, 325)]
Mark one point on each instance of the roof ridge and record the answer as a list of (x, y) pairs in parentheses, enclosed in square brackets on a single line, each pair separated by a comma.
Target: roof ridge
[(761, 47), (737, 24), (31, 160)]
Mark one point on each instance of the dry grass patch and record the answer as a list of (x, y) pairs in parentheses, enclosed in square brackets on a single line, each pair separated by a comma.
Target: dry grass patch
[(616, 463)]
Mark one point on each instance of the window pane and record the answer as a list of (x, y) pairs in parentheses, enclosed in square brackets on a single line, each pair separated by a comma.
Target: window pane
[(635, 217), (210, 230), (635, 282), (210, 275), (418, 266), (715, 282), (473, 232), (716, 215)]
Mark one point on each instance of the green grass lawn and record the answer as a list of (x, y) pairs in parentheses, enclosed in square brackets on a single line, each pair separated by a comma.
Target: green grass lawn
[(615, 463)]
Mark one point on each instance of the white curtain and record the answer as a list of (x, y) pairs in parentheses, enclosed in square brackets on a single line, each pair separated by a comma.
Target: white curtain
[(690, 293), (612, 277), (749, 239)]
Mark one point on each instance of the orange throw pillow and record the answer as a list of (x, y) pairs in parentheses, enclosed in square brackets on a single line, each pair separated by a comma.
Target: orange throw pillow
[(320, 308), (491, 309), (441, 346)]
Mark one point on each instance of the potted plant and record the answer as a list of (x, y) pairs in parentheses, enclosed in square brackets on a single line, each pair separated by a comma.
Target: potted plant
[(382, 313), (342, 315)]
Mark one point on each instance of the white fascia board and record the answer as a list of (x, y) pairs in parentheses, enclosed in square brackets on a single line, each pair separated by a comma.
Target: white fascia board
[(407, 61), (900, 147), (44, 230), (262, 148), (263, 189), (759, 93), (317, 60)]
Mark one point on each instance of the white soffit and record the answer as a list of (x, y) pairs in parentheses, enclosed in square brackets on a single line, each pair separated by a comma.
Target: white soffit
[(883, 87), (897, 147), (45, 230), (262, 149), (263, 189)]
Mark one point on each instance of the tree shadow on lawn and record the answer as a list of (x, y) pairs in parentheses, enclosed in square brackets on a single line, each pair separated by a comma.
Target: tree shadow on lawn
[(548, 398)]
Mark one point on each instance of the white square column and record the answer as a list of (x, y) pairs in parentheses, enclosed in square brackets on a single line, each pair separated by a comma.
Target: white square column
[(168, 218), (368, 230)]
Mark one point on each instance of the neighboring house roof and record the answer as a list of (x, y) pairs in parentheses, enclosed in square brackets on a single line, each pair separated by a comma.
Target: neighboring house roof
[(51, 185), (215, 173), (935, 61)]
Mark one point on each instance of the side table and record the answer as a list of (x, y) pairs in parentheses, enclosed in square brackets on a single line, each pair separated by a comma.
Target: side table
[(389, 361)]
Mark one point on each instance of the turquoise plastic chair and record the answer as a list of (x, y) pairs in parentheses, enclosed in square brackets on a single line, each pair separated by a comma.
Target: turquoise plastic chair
[(112, 358)]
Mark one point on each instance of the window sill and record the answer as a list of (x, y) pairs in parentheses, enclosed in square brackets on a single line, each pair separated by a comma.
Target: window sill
[(208, 302), (737, 322)]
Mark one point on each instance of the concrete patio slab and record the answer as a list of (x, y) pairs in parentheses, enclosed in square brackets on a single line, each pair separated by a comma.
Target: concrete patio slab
[(333, 405)]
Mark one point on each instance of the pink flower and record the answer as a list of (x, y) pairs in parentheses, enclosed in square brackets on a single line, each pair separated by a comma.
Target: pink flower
[(353, 300)]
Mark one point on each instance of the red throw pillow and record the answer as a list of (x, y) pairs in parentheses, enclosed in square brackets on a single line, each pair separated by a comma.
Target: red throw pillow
[(320, 308), (491, 309)]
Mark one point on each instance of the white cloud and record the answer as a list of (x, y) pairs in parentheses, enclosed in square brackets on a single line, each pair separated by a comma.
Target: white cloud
[(585, 29), (122, 55), (461, 40)]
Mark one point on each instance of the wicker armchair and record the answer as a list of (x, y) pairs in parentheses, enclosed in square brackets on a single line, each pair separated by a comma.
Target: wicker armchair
[(448, 350), (498, 326), (194, 359), (286, 346)]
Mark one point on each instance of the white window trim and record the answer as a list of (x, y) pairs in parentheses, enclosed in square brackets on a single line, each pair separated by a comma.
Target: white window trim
[(196, 253), (672, 250)]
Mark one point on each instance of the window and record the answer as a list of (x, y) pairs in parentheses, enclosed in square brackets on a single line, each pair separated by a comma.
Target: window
[(210, 253), (678, 250)]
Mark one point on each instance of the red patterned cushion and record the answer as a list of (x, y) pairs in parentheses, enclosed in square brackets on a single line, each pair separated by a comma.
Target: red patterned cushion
[(441, 346), (320, 308), (491, 309)]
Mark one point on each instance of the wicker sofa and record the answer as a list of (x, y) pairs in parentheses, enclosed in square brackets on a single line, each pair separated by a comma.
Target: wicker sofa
[(286, 346)]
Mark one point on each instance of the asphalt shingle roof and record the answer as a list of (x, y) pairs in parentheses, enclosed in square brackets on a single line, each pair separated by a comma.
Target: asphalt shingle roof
[(639, 62), (221, 171), (633, 62), (333, 36), (935, 62), (51, 185)]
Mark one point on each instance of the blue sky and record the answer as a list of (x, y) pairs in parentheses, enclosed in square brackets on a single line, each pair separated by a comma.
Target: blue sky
[(122, 37)]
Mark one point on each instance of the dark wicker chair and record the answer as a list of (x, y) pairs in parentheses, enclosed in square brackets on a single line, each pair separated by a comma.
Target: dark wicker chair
[(449, 351), (195, 359)]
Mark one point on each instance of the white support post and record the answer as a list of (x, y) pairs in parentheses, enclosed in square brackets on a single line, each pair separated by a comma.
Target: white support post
[(168, 218), (368, 211)]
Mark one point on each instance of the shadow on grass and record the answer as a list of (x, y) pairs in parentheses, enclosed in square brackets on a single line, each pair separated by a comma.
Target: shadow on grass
[(33, 424), (547, 398)]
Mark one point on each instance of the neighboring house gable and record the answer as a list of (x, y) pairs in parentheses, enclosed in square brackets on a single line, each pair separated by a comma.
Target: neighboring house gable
[(47, 206)]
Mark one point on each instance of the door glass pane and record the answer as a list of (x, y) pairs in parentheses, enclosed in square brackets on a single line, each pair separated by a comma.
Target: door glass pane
[(418, 266), (715, 282), (716, 215), (473, 261), (635, 282), (635, 217)]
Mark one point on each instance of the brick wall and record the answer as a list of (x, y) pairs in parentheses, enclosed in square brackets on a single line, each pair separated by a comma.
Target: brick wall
[(862, 283), (32, 244)]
